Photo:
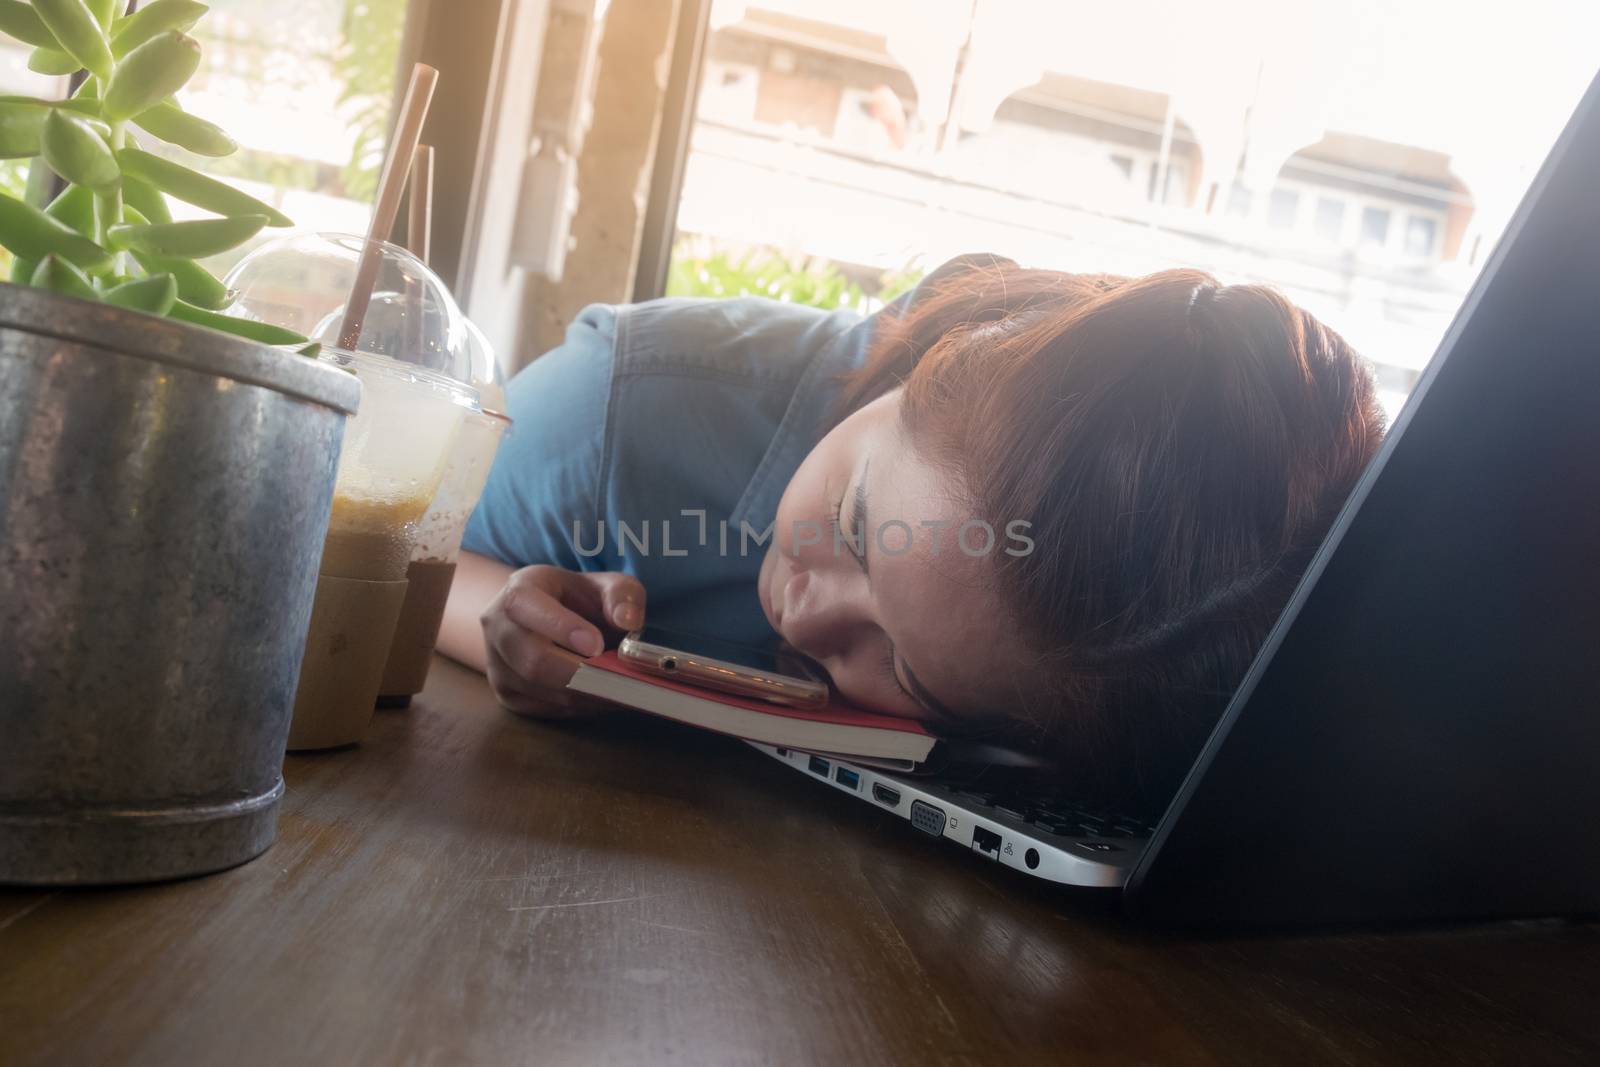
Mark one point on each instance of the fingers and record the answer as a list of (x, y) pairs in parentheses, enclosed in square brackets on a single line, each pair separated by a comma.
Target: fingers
[(538, 598), (542, 625), (516, 695), (621, 599), (536, 662)]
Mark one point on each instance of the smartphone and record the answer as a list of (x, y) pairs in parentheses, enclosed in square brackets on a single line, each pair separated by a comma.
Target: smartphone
[(777, 677)]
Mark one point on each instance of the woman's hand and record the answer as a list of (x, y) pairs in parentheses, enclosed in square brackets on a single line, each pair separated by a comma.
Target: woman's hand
[(543, 623)]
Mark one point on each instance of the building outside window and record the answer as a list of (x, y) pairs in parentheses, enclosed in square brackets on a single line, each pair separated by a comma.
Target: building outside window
[(867, 143), (1375, 226), (1283, 210), (1421, 234), (1330, 220)]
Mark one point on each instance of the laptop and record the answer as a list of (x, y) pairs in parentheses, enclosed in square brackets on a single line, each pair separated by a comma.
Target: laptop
[(1419, 735)]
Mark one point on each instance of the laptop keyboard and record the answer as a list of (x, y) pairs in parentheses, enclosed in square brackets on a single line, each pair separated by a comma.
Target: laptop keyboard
[(1051, 813)]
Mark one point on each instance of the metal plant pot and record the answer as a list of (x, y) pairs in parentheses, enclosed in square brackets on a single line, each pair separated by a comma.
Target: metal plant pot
[(164, 492)]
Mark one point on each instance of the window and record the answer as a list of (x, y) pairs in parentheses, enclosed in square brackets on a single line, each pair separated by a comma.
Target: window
[(873, 121), (1176, 186), (304, 86), (1330, 220), (1283, 209), (1240, 201), (729, 93), (1374, 226), (1421, 233), (1352, 150)]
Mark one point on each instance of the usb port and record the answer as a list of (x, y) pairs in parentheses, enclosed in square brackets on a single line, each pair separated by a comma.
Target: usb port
[(820, 766), (847, 778), (884, 795)]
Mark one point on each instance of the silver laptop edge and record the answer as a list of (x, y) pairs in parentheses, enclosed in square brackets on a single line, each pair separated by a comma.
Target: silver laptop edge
[(936, 810)]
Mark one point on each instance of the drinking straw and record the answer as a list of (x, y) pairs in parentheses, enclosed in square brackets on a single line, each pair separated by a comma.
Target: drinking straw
[(419, 222), (419, 231), (391, 184)]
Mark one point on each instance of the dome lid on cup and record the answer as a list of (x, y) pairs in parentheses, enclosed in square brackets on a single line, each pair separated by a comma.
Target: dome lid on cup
[(303, 281), (487, 378), (485, 368)]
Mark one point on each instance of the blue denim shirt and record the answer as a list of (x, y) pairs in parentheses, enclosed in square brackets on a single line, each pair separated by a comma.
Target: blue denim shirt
[(658, 439)]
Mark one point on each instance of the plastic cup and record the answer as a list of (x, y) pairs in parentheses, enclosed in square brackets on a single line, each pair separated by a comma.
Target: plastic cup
[(396, 451), (432, 566), (416, 350)]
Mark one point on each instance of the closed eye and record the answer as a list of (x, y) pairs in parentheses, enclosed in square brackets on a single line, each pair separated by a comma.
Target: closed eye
[(894, 676), (853, 538), (844, 535), (858, 520)]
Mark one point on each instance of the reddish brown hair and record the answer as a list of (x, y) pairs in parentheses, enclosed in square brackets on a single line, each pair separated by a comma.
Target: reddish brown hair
[(1179, 447)]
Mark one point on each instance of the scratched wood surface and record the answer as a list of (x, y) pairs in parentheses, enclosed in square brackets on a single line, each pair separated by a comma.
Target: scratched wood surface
[(469, 887)]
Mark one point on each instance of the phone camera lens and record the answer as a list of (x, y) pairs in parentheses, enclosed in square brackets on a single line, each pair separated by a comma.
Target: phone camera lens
[(669, 663)]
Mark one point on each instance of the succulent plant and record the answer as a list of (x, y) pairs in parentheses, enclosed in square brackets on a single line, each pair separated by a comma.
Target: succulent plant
[(109, 235)]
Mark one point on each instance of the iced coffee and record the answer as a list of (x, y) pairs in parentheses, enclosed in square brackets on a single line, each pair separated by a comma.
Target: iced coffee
[(396, 451), (414, 352), (432, 566)]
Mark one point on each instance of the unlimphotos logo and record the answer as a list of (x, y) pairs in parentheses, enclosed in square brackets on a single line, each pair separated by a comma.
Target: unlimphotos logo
[(891, 537)]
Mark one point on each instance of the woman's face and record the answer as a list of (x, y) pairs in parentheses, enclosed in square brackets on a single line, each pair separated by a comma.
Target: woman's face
[(897, 607)]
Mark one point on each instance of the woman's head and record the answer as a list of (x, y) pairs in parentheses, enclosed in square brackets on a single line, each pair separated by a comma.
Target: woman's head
[(1085, 499)]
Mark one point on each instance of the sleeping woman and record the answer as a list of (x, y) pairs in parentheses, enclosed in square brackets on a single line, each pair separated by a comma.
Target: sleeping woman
[(1058, 511)]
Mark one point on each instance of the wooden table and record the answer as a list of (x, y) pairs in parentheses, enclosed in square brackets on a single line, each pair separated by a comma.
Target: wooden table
[(471, 887)]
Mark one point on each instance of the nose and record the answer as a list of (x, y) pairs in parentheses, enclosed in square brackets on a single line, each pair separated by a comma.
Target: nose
[(822, 612)]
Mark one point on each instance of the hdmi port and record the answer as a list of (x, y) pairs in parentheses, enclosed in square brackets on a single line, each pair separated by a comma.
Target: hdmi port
[(884, 795)]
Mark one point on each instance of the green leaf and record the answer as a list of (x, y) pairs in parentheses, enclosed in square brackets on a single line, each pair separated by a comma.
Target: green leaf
[(189, 240), (56, 273), (103, 11), (76, 151), (195, 188), (196, 285), (31, 234), (175, 126), (41, 180), (155, 294), (20, 126), (75, 207), (264, 332), (145, 198), (149, 74), (163, 15), (80, 34), (88, 109), (21, 21), (52, 62)]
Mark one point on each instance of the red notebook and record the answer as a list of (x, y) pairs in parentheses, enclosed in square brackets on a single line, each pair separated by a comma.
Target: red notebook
[(836, 728)]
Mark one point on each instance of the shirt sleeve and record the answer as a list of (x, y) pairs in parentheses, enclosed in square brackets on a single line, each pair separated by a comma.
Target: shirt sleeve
[(544, 480)]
